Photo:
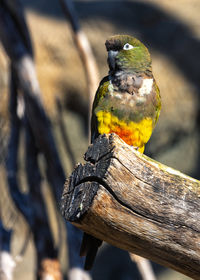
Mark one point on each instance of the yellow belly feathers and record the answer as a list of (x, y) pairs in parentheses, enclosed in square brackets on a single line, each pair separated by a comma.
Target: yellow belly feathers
[(134, 134)]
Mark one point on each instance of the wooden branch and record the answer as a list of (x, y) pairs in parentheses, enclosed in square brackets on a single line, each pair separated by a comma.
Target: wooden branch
[(137, 204)]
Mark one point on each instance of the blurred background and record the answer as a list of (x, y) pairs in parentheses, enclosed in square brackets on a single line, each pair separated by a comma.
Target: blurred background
[(171, 31)]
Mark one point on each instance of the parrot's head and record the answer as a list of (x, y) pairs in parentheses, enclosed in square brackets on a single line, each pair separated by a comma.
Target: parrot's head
[(128, 54)]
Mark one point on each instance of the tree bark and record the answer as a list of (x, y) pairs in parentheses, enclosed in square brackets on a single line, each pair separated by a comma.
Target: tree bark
[(136, 204)]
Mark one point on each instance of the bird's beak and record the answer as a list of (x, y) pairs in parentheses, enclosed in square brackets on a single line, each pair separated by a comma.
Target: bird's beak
[(111, 59)]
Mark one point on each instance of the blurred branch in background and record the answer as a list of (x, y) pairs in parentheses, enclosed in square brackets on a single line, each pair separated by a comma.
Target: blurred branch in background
[(15, 37), (84, 50), (66, 141), (22, 201), (22, 60), (31, 205), (144, 267)]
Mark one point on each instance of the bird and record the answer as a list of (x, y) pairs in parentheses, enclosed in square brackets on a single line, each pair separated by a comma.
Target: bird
[(127, 103)]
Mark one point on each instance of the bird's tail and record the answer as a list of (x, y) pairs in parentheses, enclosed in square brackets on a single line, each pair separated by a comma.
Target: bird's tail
[(89, 248)]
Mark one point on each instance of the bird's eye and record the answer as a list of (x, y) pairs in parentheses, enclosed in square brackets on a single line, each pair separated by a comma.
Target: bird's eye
[(127, 46)]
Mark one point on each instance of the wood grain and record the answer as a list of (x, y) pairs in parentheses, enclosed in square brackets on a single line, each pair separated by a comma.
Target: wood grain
[(137, 204)]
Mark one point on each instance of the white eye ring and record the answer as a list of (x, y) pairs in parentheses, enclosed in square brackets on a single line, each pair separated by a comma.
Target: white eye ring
[(127, 47)]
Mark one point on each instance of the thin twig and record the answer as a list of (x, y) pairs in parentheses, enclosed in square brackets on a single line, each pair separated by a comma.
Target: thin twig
[(85, 52), (144, 267)]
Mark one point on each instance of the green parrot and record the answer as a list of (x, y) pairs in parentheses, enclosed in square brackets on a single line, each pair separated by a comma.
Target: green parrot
[(127, 102)]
